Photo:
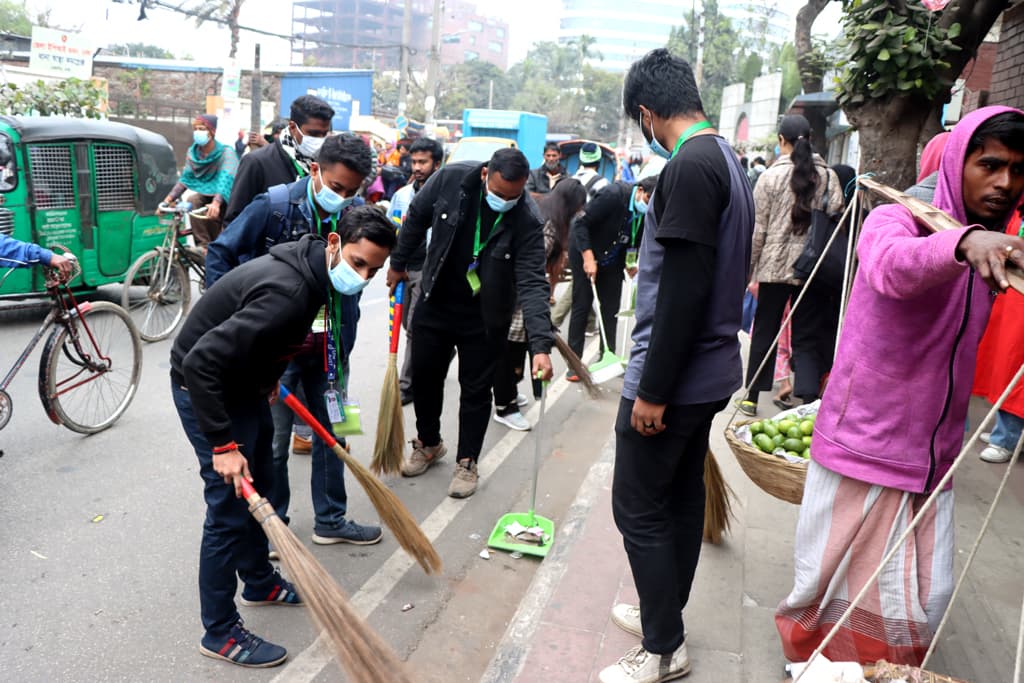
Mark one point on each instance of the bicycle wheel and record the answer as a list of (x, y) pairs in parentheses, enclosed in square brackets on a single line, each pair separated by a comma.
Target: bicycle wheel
[(90, 367), (157, 294)]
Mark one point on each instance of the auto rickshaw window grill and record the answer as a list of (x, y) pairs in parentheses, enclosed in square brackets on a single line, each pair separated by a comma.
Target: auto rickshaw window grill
[(53, 183), (6, 222), (115, 178), (8, 165)]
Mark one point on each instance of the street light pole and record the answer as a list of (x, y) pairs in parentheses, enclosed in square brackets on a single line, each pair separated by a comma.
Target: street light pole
[(434, 68), (403, 68)]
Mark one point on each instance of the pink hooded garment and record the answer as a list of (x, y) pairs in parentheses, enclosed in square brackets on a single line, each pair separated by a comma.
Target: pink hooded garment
[(932, 155), (893, 413)]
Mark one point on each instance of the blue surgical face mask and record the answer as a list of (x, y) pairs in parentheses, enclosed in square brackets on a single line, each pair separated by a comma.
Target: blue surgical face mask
[(345, 279), (641, 206), (655, 145), (498, 204), (200, 137), (329, 200)]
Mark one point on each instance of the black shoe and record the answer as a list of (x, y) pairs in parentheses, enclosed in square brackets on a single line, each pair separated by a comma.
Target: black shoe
[(406, 399)]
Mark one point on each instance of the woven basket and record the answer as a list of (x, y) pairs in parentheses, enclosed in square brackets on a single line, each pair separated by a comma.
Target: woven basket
[(776, 476)]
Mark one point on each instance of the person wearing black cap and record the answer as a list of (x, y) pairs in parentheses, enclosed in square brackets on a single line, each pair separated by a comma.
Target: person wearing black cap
[(210, 175), (588, 173)]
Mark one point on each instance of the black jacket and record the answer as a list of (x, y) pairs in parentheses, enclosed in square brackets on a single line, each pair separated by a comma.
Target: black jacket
[(511, 265), (605, 226), (538, 182), (239, 336), (258, 171)]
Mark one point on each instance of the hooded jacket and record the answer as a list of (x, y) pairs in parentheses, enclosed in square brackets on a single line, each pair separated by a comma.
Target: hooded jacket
[(238, 338), (893, 413), (511, 264)]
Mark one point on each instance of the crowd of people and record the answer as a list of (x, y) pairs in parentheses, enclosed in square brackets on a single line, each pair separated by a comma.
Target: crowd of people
[(292, 235)]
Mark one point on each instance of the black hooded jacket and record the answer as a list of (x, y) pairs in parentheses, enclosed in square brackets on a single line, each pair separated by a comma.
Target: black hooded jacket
[(238, 338), (511, 264)]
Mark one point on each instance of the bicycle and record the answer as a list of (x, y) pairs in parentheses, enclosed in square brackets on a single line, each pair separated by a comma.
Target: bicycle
[(90, 365), (157, 289)]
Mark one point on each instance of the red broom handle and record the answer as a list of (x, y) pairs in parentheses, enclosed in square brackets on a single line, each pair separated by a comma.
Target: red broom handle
[(307, 417), (248, 491), (396, 315)]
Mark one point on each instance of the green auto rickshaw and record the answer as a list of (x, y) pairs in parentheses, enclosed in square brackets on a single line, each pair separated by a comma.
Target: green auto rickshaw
[(90, 186)]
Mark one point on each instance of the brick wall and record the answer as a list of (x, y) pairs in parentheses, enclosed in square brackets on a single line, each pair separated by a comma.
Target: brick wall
[(1008, 72)]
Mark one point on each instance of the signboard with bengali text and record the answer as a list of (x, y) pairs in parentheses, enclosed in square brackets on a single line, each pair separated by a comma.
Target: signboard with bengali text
[(62, 53)]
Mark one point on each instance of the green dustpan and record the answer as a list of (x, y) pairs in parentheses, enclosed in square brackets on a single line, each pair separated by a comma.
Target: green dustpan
[(539, 531), (609, 366)]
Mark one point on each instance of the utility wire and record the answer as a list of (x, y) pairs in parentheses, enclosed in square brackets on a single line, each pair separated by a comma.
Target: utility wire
[(217, 20)]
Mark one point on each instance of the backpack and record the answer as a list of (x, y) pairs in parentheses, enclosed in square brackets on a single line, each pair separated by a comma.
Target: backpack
[(282, 227)]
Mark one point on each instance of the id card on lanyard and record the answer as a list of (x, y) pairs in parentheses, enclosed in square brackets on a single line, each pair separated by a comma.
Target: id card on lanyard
[(343, 411), (472, 276)]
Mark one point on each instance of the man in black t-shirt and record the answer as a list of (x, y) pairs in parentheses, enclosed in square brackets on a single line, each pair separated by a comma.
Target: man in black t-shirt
[(685, 362)]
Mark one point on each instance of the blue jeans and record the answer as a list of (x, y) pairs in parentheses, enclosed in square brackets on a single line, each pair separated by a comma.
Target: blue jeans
[(327, 481), (1006, 433), (233, 542)]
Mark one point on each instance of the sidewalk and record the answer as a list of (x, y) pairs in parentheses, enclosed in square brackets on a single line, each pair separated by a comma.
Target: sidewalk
[(562, 632)]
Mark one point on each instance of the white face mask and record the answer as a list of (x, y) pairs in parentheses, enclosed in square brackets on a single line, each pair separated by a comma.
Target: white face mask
[(310, 146)]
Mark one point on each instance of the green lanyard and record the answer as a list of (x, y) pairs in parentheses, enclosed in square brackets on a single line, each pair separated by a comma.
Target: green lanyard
[(477, 246), (333, 349), (688, 133), (298, 167), (638, 219)]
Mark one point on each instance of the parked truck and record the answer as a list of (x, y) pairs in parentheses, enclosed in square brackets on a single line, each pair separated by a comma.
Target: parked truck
[(526, 131)]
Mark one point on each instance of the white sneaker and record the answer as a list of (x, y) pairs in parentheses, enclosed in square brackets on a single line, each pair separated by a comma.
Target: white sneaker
[(993, 453), (641, 666), (514, 421), (521, 400), (985, 436), (627, 617)]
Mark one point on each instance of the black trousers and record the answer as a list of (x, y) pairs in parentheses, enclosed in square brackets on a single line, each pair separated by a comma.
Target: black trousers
[(658, 504), (813, 333), (609, 291), (508, 372), (438, 336)]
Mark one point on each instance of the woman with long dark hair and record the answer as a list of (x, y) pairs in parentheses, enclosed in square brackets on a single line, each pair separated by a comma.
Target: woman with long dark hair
[(785, 194)]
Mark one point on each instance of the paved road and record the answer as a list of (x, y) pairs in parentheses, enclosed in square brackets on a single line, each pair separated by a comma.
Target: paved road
[(100, 534)]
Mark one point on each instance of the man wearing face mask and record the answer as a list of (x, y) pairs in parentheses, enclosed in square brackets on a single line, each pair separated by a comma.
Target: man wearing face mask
[(542, 180), (225, 365), (312, 204), (209, 174), (285, 159), (487, 248)]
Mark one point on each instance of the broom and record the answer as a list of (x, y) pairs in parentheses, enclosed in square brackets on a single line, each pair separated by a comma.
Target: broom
[(576, 365), (392, 511), (390, 444), (364, 656), (717, 501)]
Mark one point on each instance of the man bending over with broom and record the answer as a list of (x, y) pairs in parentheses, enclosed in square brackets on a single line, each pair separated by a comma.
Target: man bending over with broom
[(225, 366), (685, 362)]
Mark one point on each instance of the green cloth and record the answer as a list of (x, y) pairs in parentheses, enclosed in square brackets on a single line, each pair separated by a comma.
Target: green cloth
[(213, 174)]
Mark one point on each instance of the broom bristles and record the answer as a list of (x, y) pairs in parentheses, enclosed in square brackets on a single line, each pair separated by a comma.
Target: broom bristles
[(576, 366), (717, 502), (394, 514), (390, 443), (361, 652)]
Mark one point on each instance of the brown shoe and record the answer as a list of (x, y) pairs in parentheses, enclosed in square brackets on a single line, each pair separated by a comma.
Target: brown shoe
[(422, 458), (301, 445), (464, 479)]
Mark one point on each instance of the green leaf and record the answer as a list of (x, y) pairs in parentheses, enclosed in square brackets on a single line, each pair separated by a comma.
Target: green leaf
[(883, 56), (954, 30)]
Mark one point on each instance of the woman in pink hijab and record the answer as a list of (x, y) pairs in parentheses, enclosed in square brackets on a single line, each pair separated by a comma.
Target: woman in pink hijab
[(928, 174)]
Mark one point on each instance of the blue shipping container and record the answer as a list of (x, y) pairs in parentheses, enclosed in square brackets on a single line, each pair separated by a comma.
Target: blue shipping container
[(528, 130), (348, 91)]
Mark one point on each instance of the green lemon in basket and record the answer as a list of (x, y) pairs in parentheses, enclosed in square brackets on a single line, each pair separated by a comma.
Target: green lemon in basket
[(769, 428), (795, 445), (764, 442), (778, 439), (756, 427), (794, 432), (793, 454), (807, 427), (806, 440), (786, 424)]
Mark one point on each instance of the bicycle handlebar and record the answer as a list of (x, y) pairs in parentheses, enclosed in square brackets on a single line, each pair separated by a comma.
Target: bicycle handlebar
[(180, 208)]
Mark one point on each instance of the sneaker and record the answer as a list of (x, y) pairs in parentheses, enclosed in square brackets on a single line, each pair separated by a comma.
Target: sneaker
[(514, 421), (350, 532), (986, 437), (522, 401), (627, 617), (422, 458), (273, 555), (748, 408), (278, 592), (641, 666), (241, 647), (993, 453), (301, 445), (464, 479), (571, 376)]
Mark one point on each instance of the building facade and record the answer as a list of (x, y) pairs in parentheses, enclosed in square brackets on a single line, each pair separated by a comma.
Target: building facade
[(623, 32), (467, 35)]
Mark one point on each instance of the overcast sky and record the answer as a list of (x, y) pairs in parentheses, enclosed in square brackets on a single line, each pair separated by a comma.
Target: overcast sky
[(107, 22)]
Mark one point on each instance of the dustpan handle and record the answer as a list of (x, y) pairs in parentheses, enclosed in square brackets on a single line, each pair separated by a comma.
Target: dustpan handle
[(600, 318), (538, 434)]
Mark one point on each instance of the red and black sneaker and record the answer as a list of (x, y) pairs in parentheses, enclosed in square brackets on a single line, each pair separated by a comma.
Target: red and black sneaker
[(241, 647), (277, 592)]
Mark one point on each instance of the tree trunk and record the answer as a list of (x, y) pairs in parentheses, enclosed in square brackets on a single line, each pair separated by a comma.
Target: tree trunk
[(889, 130), (811, 81)]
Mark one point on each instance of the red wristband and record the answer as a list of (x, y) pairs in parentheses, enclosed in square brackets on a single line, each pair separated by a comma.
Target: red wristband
[(226, 448)]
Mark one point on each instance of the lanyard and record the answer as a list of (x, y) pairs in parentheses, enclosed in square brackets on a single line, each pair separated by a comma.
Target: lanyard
[(638, 219), (477, 246), (298, 167), (688, 133), (332, 340), (316, 214)]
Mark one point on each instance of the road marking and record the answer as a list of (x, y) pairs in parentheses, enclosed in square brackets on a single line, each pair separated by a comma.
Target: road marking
[(308, 664)]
